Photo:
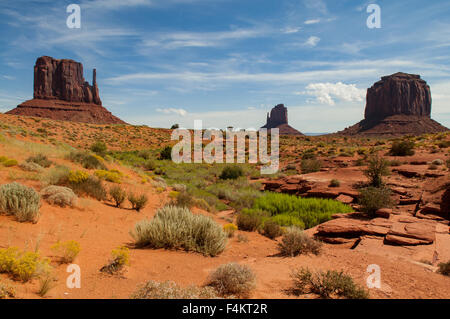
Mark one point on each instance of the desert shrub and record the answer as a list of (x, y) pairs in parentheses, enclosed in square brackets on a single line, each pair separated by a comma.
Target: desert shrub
[(10, 163), (170, 290), (395, 163), (296, 242), (444, 268), (334, 183), (248, 222), (175, 126), (118, 195), (6, 291), (22, 265), (177, 228), (166, 153), (327, 284), (150, 165), (21, 201), (444, 144), (137, 201), (120, 258), (59, 195), (112, 176), (87, 160), (231, 172), (92, 187), (310, 166), (230, 229), (271, 229), (40, 159), (31, 167), (179, 187), (58, 175), (67, 251), (377, 167), (372, 199), (184, 199), (309, 211), (233, 279), (77, 177), (437, 162), (45, 285), (100, 148), (402, 148)]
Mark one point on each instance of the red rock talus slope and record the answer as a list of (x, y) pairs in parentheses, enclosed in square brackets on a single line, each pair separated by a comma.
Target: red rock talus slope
[(397, 104), (61, 93), (278, 119)]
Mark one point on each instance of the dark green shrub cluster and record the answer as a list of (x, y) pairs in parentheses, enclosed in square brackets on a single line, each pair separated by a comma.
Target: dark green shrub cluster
[(40, 159), (231, 172), (177, 228), (137, 201), (402, 148), (118, 195), (92, 187), (372, 199), (310, 166), (444, 268), (87, 160), (334, 183), (327, 284), (99, 148), (271, 229), (166, 153)]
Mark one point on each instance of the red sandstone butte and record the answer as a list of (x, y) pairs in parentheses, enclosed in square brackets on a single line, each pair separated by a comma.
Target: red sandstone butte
[(61, 93), (398, 104), (278, 119)]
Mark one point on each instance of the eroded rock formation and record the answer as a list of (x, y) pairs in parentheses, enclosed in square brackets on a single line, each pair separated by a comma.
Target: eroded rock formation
[(278, 119), (397, 104), (61, 93)]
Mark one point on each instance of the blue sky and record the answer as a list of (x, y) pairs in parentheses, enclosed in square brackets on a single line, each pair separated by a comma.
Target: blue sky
[(227, 62)]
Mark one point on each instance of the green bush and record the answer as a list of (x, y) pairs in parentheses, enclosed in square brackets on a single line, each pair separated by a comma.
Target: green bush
[(402, 148), (296, 242), (334, 183), (170, 290), (88, 161), (177, 228), (444, 268), (377, 167), (10, 163), (58, 175), (231, 172), (118, 195), (21, 201), (184, 199), (137, 201), (166, 153), (40, 159), (311, 165), (99, 148), (372, 199), (249, 221), (59, 195), (327, 284), (92, 187), (31, 167), (271, 229), (233, 279)]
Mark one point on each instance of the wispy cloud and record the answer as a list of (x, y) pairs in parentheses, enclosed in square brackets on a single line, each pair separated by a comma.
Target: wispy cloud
[(170, 110), (312, 41), (312, 21)]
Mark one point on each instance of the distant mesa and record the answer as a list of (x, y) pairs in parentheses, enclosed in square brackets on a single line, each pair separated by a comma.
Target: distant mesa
[(61, 93), (398, 104), (278, 119)]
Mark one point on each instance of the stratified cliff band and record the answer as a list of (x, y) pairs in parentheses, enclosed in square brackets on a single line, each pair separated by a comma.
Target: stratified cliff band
[(61, 93)]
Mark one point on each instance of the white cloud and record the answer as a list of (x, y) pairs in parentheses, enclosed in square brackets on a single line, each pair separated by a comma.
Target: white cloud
[(179, 112), (290, 30), (327, 93), (312, 41), (312, 21)]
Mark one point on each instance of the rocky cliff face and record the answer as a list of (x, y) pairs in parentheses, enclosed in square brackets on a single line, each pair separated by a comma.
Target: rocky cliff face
[(278, 119), (399, 93), (63, 80), (398, 104), (61, 93)]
